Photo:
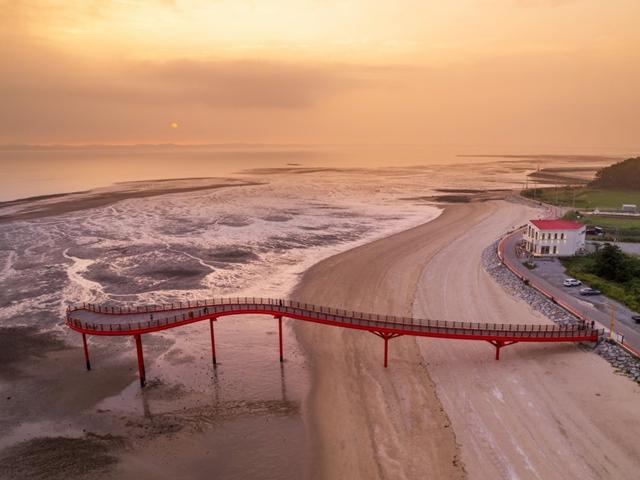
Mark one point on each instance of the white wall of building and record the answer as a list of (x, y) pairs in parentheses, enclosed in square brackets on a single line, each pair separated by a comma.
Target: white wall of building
[(554, 243)]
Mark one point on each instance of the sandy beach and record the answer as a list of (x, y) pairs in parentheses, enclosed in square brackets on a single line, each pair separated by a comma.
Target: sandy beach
[(541, 412), (372, 422)]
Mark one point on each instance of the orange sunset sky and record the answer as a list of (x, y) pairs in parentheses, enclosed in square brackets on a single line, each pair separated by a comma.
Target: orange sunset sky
[(497, 73)]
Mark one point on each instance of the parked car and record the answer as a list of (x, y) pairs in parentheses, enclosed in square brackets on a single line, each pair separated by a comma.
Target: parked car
[(589, 291), (571, 282), (635, 318)]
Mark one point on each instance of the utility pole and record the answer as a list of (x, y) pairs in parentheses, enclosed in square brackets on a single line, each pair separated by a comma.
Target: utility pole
[(612, 319)]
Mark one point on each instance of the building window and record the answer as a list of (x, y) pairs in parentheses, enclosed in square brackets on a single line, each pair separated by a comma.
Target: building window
[(555, 236), (562, 236), (545, 250), (555, 249)]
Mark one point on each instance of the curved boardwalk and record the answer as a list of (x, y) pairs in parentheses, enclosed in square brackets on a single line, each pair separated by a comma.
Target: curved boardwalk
[(90, 319)]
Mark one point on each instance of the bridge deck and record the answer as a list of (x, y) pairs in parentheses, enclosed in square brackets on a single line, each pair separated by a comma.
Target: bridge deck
[(90, 319), (104, 320)]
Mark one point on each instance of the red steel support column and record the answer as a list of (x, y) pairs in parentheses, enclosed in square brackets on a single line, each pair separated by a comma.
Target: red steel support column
[(213, 342), (280, 337), (86, 351), (386, 337), (386, 349), (141, 372), (499, 344)]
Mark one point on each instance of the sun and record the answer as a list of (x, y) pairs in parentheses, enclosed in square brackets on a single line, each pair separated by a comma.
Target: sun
[(174, 124)]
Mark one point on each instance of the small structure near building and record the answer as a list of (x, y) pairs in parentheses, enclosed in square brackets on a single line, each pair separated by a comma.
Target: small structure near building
[(544, 238), (629, 208)]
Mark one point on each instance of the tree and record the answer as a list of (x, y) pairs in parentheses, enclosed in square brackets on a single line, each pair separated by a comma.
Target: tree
[(612, 264)]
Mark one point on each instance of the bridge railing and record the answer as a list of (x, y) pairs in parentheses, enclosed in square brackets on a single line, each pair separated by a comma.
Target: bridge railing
[(200, 308)]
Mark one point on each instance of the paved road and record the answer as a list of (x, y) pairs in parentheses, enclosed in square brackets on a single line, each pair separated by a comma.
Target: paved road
[(627, 247), (549, 276)]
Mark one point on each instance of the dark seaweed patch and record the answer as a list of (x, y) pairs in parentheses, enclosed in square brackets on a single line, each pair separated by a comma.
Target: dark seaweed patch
[(60, 458), (20, 343), (235, 221), (232, 255), (276, 218)]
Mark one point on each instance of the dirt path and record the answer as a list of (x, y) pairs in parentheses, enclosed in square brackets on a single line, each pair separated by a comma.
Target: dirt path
[(543, 411)]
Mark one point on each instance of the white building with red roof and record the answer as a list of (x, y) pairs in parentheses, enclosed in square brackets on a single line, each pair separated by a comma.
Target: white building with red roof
[(557, 237)]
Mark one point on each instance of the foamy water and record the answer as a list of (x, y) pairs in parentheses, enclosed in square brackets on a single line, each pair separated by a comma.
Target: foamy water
[(242, 241)]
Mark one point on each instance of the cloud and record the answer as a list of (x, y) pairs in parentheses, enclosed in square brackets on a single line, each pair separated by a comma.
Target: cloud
[(44, 92)]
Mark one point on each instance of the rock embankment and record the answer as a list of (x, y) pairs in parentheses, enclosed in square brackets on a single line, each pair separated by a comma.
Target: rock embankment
[(621, 360)]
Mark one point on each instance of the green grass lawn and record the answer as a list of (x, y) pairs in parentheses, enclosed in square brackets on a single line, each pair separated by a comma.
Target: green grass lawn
[(584, 198)]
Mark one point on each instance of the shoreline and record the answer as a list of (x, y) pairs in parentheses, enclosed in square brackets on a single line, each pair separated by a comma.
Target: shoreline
[(357, 411), (94, 418)]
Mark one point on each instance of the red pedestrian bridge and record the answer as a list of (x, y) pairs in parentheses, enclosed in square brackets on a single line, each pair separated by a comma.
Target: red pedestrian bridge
[(91, 319)]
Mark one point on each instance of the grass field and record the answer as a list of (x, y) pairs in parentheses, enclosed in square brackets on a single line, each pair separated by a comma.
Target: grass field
[(616, 229), (584, 198)]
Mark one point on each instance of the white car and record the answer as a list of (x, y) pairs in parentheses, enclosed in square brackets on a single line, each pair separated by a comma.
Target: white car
[(571, 282)]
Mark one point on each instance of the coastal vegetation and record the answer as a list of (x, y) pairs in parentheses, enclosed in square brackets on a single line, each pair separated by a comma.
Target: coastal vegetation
[(610, 270), (612, 186), (621, 175), (584, 198)]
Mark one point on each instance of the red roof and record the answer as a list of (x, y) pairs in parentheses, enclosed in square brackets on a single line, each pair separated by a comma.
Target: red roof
[(556, 224)]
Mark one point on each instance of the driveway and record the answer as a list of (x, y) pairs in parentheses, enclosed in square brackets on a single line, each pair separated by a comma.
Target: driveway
[(627, 247)]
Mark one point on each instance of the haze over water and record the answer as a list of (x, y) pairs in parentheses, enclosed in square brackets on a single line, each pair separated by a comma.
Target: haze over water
[(44, 170)]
